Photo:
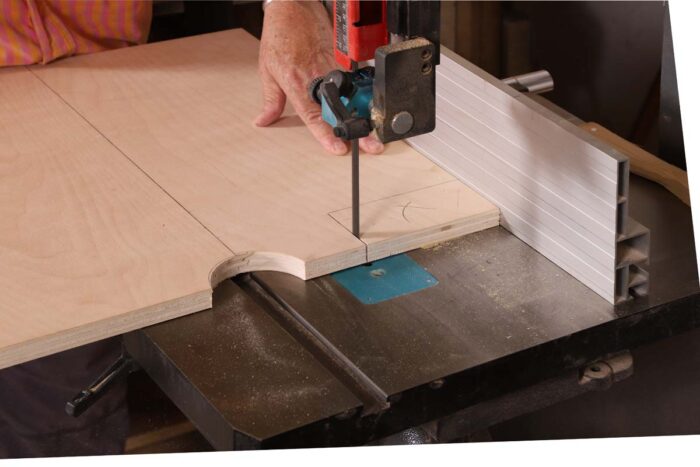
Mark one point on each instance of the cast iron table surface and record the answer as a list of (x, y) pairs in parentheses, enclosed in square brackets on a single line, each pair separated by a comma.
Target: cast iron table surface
[(501, 318)]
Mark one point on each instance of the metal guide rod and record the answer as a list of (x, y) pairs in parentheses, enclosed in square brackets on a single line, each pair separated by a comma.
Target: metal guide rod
[(536, 82), (355, 145), (355, 187)]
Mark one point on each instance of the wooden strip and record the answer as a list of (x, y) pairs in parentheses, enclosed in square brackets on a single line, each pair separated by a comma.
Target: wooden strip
[(89, 246), (644, 163), (145, 440)]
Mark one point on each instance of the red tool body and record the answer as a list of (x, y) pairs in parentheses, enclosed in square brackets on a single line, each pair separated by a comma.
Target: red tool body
[(395, 97), (359, 27)]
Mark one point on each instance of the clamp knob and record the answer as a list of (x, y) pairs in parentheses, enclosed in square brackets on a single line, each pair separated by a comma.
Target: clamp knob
[(314, 88)]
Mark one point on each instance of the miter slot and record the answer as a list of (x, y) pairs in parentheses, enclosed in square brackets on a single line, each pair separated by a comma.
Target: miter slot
[(633, 247), (631, 279), (627, 255), (638, 281), (623, 177), (374, 399), (622, 276), (623, 181), (621, 217)]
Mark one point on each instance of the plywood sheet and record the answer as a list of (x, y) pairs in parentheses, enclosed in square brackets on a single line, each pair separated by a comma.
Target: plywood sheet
[(182, 111), (89, 246), (133, 181)]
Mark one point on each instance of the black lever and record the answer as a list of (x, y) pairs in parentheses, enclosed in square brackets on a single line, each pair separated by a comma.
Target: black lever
[(332, 87), (88, 396)]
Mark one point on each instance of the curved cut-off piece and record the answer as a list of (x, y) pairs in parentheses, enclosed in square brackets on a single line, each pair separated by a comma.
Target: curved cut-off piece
[(257, 261)]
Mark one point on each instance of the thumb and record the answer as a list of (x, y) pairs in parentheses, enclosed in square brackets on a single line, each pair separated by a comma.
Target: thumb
[(273, 101)]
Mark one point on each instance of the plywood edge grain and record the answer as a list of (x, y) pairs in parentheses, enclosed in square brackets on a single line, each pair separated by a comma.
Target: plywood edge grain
[(436, 234), (280, 262), (104, 328)]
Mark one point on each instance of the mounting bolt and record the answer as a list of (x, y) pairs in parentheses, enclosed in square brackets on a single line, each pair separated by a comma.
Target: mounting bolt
[(437, 384), (346, 415), (313, 89), (377, 272), (402, 122)]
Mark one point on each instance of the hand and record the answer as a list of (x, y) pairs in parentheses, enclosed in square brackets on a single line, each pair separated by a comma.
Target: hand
[(296, 47)]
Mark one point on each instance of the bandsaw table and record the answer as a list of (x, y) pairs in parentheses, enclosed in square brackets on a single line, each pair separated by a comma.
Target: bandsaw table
[(279, 362)]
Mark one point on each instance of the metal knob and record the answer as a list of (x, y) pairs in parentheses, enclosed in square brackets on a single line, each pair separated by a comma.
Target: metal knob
[(402, 123), (536, 82)]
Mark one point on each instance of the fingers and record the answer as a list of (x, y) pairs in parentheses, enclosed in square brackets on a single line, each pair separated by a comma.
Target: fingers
[(310, 113), (273, 101), (371, 145)]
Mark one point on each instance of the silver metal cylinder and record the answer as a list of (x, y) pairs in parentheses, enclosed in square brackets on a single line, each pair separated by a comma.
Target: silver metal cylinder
[(402, 122), (536, 82)]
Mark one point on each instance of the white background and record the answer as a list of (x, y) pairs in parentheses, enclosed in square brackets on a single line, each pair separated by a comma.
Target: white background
[(665, 451)]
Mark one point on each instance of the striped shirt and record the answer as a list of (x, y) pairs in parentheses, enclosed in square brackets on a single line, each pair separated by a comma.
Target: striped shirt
[(40, 31)]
